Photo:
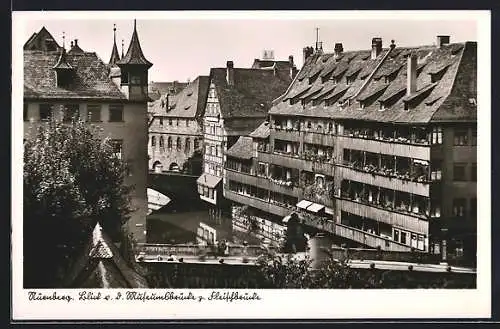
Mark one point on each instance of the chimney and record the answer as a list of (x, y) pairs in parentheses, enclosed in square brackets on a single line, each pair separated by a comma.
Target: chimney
[(338, 49), (376, 47), (290, 60), (411, 74), (76, 42), (230, 73), (71, 44), (307, 51), (442, 40)]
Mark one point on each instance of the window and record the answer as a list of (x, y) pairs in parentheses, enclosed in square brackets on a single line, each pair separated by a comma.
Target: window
[(116, 113), (71, 112), (403, 237), (94, 113), (187, 148), (161, 121), (207, 149), (169, 122), (459, 172), (117, 147), (162, 143), (396, 235), (153, 141), (169, 142), (179, 144), (177, 122), (135, 80), (436, 170), (459, 207), (435, 209), (262, 169), (437, 135), (187, 122), (196, 143), (25, 112), (212, 150), (460, 138), (474, 137), (309, 124), (473, 172)]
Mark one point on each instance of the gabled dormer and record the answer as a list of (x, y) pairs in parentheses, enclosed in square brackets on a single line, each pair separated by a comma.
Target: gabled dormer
[(134, 70), (64, 71)]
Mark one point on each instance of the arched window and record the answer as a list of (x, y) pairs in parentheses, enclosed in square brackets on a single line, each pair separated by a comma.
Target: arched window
[(162, 145), (179, 145), (169, 142), (187, 148), (153, 141), (196, 143)]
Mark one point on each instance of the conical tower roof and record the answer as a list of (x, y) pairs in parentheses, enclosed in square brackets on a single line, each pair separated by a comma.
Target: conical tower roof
[(115, 57), (134, 54)]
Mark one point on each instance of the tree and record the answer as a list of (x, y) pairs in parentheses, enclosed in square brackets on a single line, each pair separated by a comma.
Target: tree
[(72, 180)]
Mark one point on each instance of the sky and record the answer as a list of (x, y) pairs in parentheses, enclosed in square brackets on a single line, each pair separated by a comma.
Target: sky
[(184, 47)]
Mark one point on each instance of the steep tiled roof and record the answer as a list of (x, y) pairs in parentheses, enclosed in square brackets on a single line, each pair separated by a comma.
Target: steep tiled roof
[(262, 131), (158, 89), (242, 149), (188, 103), (446, 79), (252, 93), (90, 77), (134, 55), (102, 266), (43, 41), (263, 63)]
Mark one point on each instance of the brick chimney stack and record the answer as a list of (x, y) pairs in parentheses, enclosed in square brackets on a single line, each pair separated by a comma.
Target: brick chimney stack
[(376, 47), (307, 51), (442, 40), (230, 73), (338, 49), (411, 74)]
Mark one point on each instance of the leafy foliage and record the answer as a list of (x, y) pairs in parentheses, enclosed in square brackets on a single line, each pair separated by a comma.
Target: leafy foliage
[(72, 179)]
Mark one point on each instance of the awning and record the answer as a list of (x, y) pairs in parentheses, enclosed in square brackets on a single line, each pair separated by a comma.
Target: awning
[(208, 180), (315, 207), (304, 204)]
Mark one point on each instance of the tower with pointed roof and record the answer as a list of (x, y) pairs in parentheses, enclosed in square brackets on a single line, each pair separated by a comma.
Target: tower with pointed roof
[(114, 70), (134, 70)]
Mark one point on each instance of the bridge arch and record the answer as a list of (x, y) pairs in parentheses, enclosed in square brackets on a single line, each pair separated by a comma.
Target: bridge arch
[(174, 166), (157, 166)]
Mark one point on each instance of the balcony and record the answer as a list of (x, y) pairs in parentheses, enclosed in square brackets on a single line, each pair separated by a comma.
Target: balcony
[(318, 138), (369, 239), (390, 147), (392, 183), (286, 134), (365, 238), (273, 208), (262, 182), (410, 222)]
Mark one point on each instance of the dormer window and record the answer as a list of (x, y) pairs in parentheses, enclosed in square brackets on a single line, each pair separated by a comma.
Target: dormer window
[(438, 74), (382, 106), (64, 71)]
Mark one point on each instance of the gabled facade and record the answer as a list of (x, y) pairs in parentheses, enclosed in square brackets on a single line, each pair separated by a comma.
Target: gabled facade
[(238, 102), (77, 84), (377, 148), (175, 129)]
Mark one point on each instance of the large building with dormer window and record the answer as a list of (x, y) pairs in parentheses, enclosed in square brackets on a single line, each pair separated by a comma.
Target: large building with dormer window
[(62, 84), (377, 148), (175, 129), (238, 102)]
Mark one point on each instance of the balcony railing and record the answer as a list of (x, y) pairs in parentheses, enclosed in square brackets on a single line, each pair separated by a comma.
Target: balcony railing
[(389, 147), (392, 182), (409, 221), (279, 209)]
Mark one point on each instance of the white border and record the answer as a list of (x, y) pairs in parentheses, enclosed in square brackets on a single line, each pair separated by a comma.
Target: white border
[(322, 304)]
